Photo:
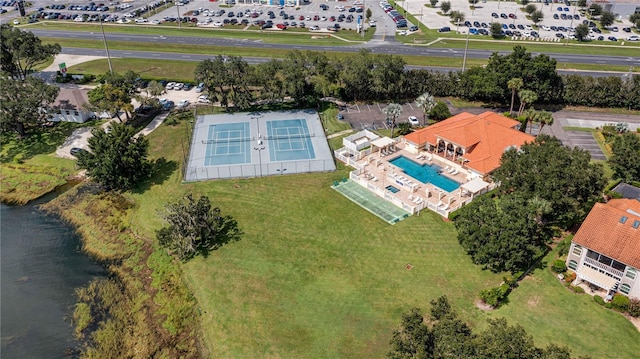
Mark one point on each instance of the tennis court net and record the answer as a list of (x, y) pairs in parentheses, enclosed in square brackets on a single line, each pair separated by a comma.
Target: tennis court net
[(228, 140), (287, 137)]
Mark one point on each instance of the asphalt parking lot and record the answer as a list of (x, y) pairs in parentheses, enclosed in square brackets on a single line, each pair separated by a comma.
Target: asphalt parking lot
[(483, 10), (586, 141)]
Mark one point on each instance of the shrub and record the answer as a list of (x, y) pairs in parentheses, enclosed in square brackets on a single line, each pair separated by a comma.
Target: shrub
[(608, 305), (577, 289), (620, 302), (570, 277), (564, 245), (559, 266), (496, 295), (634, 307), (598, 299)]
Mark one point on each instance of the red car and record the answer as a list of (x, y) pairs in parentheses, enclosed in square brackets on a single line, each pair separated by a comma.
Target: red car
[(281, 26), (316, 17), (301, 17), (513, 16), (333, 18)]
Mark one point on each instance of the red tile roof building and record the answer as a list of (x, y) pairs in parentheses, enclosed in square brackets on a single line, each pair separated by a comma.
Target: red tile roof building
[(477, 141), (606, 249)]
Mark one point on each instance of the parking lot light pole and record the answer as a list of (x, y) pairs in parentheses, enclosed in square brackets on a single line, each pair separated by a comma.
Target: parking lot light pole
[(466, 48), (179, 19)]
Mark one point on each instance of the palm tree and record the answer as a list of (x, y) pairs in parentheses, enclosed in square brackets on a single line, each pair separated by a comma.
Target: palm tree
[(545, 118), (527, 97), (541, 207), (392, 111), (515, 84), (531, 116), (426, 103)]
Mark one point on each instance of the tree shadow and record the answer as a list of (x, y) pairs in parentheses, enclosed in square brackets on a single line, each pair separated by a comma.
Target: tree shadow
[(161, 170), (39, 140), (229, 232)]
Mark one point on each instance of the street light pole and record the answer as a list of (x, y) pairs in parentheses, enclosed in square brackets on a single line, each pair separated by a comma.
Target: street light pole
[(104, 38), (466, 47)]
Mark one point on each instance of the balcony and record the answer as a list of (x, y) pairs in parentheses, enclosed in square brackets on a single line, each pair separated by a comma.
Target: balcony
[(595, 264)]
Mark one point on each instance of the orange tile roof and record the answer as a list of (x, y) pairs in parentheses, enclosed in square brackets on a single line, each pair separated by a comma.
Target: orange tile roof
[(603, 232), (485, 137)]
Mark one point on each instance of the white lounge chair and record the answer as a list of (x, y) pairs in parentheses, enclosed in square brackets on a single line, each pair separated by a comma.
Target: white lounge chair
[(451, 170), (419, 156), (447, 168), (455, 172)]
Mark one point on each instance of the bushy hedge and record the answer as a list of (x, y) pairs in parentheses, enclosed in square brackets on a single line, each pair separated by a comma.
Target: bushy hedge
[(598, 299), (620, 302), (559, 266), (496, 295)]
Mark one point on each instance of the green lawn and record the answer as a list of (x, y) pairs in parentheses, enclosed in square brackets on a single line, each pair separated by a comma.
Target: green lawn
[(316, 276)]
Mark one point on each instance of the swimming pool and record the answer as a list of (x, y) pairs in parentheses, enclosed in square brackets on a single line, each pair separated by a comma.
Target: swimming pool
[(425, 173), (392, 189)]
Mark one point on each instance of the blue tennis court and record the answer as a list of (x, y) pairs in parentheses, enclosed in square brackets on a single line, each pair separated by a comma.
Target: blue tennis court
[(257, 144), (289, 140), (227, 144)]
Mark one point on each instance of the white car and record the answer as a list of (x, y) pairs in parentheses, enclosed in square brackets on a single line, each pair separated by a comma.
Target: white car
[(178, 86), (545, 27), (314, 28), (155, 22), (183, 104), (217, 24), (204, 99), (633, 38), (372, 23), (413, 120), (170, 85), (16, 22), (141, 20)]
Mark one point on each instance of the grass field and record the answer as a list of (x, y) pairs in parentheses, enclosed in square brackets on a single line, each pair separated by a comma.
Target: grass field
[(315, 276)]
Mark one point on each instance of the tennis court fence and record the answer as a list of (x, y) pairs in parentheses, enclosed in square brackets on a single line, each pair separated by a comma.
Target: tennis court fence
[(194, 173)]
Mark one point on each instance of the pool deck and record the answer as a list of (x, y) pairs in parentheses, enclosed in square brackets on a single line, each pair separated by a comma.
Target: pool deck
[(375, 173)]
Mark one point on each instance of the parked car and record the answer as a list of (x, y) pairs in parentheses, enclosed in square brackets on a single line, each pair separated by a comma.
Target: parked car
[(75, 151), (204, 99), (413, 120), (444, 29), (413, 28), (633, 38), (183, 104)]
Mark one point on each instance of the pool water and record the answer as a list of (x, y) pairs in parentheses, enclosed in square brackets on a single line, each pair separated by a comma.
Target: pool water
[(392, 189), (425, 173)]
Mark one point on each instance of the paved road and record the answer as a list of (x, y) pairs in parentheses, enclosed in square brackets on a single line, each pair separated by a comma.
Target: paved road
[(257, 60), (382, 47)]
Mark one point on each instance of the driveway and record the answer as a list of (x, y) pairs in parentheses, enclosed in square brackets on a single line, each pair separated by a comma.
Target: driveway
[(586, 141)]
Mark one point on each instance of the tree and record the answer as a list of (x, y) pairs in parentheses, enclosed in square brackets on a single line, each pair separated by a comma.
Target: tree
[(563, 176), (112, 99), (582, 3), (503, 341), (457, 17), (426, 103), (625, 160), (22, 102), (392, 111), (445, 6), (116, 159), (473, 3), (21, 51), (440, 308), (515, 84), (368, 14), (607, 18), (524, 2), (196, 227), (412, 339), (155, 89), (433, 3), (501, 235), (496, 30), (214, 75), (545, 118), (530, 9), (582, 32), (536, 16), (527, 97), (595, 9), (440, 111)]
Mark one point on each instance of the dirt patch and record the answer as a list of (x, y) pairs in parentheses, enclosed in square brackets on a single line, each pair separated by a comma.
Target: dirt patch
[(533, 301), (483, 306)]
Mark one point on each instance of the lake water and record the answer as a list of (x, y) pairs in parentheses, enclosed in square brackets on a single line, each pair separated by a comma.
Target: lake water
[(41, 265)]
